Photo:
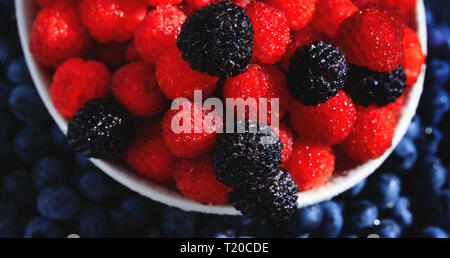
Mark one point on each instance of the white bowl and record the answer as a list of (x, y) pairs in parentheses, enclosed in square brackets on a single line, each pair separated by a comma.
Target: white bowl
[(26, 11)]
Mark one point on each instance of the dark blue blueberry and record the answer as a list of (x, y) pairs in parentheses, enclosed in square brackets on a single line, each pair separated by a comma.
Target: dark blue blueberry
[(91, 222), (404, 156), (8, 212), (17, 184), (434, 105), (383, 189), (430, 175), (332, 220), (133, 216), (6, 53), (355, 191), (439, 71), (59, 140), (83, 162), (439, 210), (49, 171), (430, 17), (17, 71), (433, 232), (40, 227), (58, 203), (349, 236), (359, 215), (177, 223), (5, 91), (306, 220), (387, 228), (436, 38), (31, 143), (401, 212), (93, 185), (27, 106), (140, 209), (415, 129), (430, 142)]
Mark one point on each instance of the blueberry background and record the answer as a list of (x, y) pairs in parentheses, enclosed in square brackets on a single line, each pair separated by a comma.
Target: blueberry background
[(46, 190)]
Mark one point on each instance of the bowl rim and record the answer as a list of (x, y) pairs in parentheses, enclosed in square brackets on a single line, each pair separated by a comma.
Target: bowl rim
[(162, 194)]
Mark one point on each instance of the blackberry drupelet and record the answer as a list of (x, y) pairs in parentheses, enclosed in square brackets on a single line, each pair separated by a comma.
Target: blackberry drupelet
[(244, 159), (218, 40), (317, 73), (271, 201), (101, 129), (368, 87)]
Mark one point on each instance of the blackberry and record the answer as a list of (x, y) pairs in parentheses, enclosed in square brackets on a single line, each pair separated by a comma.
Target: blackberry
[(367, 87), (272, 201), (247, 158), (317, 73), (217, 40), (101, 129)]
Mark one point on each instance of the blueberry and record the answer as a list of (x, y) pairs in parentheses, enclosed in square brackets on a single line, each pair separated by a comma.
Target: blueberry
[(401, 212), (6, 53), (415, 128), (40, 227), (384, 189), (17, 71), (57, 203), (430, 17), (306, 220), (349, 236), (5, 91), (83, 162), (332, 220), (439, 209), (59, 140), (178, 223), (48, 171), (387, 228), (404, 156), (432, 138), (439, 71), (359, 215), (31, 143), (355, 191), (91, 222), (17, 184), (433, 232), (430, 176), (434, 105), (27, 106), (93, 185), (436, 38), (8, 211)]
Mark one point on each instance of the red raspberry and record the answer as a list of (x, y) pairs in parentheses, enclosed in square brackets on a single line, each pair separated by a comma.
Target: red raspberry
[(311, 165), (196, 180), (300, 38), (287, 139), (77, 81), (328, 123), (112, 20), (58, 35), (373, 38), (272, 34), (176, 78), (361, 3), (131, 53), (298, 12), (331, 13), (398, 105), (199, 3), (372, 134), (414, 58), (198, 134), (148, 155), (111, 54), (45, 3), (163, 2), (135, 87), (260, 81), (158, 32), (406, 6)]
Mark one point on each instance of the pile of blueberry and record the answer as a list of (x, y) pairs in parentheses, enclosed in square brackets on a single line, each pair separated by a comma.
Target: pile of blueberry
[(48, 191)]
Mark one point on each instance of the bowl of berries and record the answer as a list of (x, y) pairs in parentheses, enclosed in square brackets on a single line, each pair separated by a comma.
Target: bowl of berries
[(229, 107)]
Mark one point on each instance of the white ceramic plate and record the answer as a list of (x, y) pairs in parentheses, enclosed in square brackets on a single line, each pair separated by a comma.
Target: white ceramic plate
[(26, 11)]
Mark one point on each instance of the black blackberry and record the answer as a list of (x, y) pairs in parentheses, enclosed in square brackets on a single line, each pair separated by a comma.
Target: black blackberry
[(317, 73), (101, 129), (218, 40), (249, 157), (272, 201), (368, 87)]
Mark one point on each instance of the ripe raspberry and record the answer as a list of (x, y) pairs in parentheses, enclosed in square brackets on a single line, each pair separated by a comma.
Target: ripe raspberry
[(112, 20), (414, 58), (148, 155), (298, 12), (45, 3), (272, 34), (158, 32), (406, 6), (331, 13), (260, 81), (163, 2), (398, 105), (198, 130), (131, 54), (135, 87), (372, 134), (199, 3), (300, 38), (196, 180), (310, 165), (373, 38), (176, 79), (242, 3), (328, 123), (111, 54), (101, 129), (361, 3), (77, 81), (58, 35), (286, 136)]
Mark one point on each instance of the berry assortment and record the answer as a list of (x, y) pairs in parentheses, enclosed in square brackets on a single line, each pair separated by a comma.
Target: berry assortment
[(338, 78), (42, 171)]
